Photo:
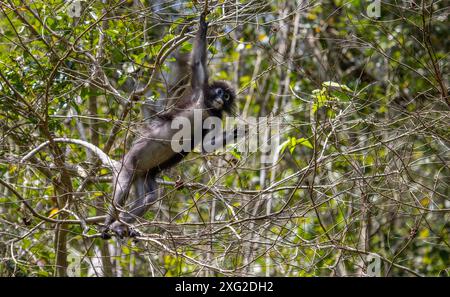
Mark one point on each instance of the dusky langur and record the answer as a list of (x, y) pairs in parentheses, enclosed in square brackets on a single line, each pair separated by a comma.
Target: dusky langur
[(151, 152)]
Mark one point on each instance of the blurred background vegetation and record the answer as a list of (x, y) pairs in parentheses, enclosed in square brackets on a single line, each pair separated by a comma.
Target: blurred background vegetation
[(359, 183)]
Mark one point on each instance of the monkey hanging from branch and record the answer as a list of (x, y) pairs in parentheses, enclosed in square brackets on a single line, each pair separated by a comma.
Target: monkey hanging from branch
[(151, 152)]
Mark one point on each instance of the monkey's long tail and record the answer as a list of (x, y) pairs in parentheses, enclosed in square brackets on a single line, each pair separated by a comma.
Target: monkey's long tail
[(104, 158)]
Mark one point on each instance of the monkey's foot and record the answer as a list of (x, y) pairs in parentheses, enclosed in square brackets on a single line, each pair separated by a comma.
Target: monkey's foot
[(122, 230), (133, 233), (104, 233)]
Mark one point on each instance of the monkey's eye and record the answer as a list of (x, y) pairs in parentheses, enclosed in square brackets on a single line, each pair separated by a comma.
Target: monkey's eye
[(226, 96), (219, 92)]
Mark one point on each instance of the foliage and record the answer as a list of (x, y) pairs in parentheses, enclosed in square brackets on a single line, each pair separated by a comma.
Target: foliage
[(361, 164)]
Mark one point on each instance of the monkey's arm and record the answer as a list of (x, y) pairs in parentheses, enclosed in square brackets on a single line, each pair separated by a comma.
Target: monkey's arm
[(214, 142), (199, 76)]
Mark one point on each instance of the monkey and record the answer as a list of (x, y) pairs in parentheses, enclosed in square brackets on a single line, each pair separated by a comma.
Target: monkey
[(151, 151)]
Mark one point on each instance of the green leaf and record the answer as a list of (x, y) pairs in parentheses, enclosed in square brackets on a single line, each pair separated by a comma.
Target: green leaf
[(305, 142), (335, 85), (292, 143), (236, 154), (186, 47), (284, 145)]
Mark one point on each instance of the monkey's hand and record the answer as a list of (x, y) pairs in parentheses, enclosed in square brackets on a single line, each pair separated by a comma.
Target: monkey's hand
[(203, 22)]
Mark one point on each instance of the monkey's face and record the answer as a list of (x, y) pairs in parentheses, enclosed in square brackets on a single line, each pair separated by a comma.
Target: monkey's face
[(221, 97)]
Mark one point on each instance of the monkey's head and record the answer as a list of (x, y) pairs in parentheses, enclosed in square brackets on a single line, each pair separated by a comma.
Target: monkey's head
[(220, 96)]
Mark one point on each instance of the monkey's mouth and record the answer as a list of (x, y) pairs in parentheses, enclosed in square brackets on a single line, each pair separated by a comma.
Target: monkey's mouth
[(217, 103)]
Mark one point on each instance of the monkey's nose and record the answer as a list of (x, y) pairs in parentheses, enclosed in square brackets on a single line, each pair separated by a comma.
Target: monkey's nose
[(218, 103)]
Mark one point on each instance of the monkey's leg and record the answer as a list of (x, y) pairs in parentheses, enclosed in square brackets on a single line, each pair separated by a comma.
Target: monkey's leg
[(123, 184), (146, 193)]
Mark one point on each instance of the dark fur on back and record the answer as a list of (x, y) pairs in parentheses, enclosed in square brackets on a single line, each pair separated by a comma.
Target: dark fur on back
[(228, 107)]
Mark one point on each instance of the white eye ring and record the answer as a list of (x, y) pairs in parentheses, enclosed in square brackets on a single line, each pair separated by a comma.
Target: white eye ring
[(226, 96)]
